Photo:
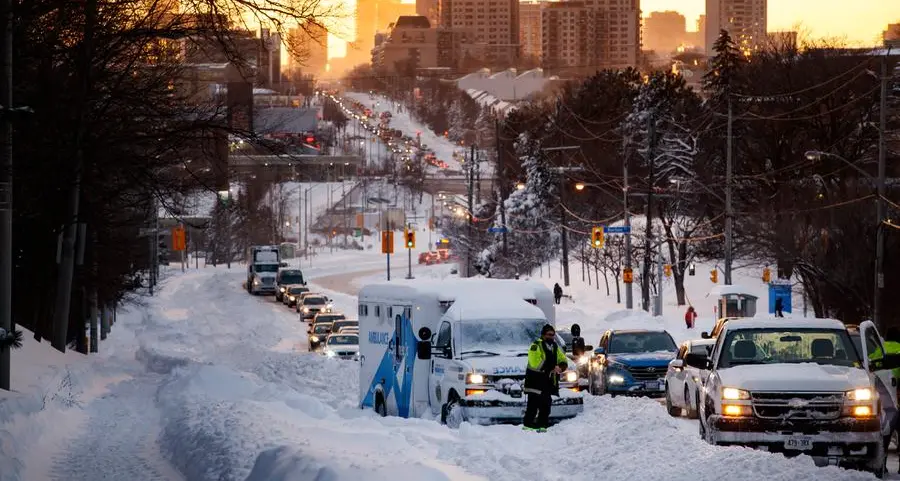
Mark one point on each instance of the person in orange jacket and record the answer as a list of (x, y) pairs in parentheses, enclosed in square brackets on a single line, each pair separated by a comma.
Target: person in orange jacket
[(690, 317)]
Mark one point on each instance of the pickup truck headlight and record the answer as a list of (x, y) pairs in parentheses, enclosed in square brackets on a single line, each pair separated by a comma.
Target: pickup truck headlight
[(734, 394), (736, 410), (863, 394), (474, 378), (570, 376)]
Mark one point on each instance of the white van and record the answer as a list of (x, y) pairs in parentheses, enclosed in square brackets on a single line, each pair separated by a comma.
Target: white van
[(455, 348)]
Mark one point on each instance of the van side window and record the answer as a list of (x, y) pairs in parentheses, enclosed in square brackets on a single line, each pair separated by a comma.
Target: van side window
[(378, 311), (398, 338), (443, 338)]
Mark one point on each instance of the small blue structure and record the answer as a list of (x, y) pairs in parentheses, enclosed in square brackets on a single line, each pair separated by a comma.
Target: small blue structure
[(780, 290)]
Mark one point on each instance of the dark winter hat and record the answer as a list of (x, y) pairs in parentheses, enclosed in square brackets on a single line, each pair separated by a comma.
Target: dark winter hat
[(547, 328)]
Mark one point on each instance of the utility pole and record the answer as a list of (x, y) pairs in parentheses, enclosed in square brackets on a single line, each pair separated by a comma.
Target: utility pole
[(469, 220), (648, 229), (657, 308), (879, 242), (501, 174), (629, 297), (67, 260), (729, 214), (6, 193), (564, 238)]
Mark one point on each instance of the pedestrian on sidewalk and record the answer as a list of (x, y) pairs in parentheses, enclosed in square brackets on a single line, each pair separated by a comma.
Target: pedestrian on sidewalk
[(690, 317), (557, 292), (779, 307)]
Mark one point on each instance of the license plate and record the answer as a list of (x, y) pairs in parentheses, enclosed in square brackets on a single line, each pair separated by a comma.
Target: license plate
[(798, 443), (652, 386)]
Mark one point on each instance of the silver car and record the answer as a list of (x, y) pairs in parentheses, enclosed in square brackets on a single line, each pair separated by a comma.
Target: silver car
[(683, 381)]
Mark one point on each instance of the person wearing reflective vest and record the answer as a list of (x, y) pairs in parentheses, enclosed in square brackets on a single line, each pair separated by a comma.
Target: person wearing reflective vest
[(891, 346), (546, 360)]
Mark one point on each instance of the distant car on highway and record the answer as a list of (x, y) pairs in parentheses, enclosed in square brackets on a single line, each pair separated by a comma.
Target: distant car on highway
[(343, 324), (292, 293), (342, 346), (318, 334)]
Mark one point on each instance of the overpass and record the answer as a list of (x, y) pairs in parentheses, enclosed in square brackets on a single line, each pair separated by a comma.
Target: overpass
[(284, 166), (454, 185)]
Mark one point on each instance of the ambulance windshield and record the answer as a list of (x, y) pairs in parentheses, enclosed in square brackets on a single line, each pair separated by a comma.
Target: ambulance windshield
[(493, 337)]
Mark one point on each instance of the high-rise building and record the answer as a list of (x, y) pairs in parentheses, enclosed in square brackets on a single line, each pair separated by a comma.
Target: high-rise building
[(373, 16), (701, 33), (495, 23), (891, 36), (745, 21), (621, 41), (664, 32), (530, 28), (412, 44), (429, 9), (308, 48)]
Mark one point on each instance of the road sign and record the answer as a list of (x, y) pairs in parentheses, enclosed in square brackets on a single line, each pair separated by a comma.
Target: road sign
[(617, 229), (498, 230), (178, 239), (627, 275), (387, 242)]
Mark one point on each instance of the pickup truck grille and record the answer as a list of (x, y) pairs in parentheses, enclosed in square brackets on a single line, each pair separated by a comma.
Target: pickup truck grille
[(647, 373), (797, 405)]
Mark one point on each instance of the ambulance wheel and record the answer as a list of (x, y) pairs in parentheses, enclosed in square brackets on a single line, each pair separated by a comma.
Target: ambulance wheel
[(451, 412), (380, 406)]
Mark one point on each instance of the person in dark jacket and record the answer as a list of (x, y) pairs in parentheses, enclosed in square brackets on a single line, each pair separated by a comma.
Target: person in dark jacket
[(546, 360), (779, 306), (557, 292)]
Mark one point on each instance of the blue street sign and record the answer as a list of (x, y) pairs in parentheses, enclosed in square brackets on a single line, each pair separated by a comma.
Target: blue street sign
[(617, 229), (498, 230)]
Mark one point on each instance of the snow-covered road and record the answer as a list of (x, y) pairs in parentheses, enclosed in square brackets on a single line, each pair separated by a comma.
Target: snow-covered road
[(206, 382)]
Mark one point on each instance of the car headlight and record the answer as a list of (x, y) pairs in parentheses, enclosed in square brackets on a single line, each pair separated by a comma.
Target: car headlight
[(474, 378), (306, 310), (584, 359), (733, 394), (570, 376), (292, 298), (314, 338), (283, 289), (329, 353), (862, 394), (255, 282), (736, 410), (615, 379)]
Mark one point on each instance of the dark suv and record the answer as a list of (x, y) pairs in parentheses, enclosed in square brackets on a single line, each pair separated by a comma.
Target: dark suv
[(284, 278)]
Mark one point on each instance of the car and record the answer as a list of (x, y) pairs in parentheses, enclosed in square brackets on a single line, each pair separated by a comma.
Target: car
[(683, 381), (799, 386), (564, 336), (311, 305), (337, 325), (348, 330), (317, 335), (717, 328), (299, 305), (631, 362), (292, 293), (286, 277), (325, 317), (342, 346)]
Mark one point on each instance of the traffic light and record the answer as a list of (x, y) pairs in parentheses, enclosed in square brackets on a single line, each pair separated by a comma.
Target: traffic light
[(667, 269), (714, 276), (410, 236), (597, 237), (767, 275)]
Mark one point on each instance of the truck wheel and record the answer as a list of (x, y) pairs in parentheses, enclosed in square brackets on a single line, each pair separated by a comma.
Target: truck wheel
[(878, 463), (455, 416), (672, 410), (690, 412)]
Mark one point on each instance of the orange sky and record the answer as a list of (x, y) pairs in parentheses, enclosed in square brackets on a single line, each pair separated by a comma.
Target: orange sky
[(859, 21)]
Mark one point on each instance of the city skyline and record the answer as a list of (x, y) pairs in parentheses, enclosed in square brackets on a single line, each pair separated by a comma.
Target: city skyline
[(861, 25)]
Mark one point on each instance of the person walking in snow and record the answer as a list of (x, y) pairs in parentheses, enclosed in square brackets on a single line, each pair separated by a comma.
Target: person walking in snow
[(779, 307), (546, 361), (690, 317), (557, 292)]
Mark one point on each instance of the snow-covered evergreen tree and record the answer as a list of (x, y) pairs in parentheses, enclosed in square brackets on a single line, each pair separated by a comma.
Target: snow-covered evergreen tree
[(529, 214), (458, 124)]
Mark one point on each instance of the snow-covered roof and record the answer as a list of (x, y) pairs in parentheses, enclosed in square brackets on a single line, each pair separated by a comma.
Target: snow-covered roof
[(489, 305), (730, 290), (782, 322), (450, 290)]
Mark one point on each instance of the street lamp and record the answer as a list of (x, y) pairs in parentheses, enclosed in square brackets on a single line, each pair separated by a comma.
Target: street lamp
[(520, 186), (815, 156), (579, 186)]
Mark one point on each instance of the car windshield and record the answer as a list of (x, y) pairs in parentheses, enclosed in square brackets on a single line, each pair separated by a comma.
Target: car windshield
[(314, 300), (339, 324), (638, 342), (298, 290), (489, 337), (344, 340), (322, 328), (777, 346), (266, 267), (291, 277), (330, 318)]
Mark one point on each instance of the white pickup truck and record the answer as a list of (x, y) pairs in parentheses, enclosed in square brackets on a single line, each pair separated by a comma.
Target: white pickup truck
[(799, 386)]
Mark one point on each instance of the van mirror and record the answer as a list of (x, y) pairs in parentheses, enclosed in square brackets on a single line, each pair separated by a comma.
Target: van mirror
[(704, 335), (576, 330), (588, 348), (890, 361), (423, 350), (698, 361)]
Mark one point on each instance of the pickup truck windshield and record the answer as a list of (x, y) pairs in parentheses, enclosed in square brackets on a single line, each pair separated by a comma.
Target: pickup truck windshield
[(776, 346), (489, 337), (638, 342)]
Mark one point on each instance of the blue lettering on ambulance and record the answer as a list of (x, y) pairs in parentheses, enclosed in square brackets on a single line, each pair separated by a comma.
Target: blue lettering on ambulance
[(508, 370), (376, 337)]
